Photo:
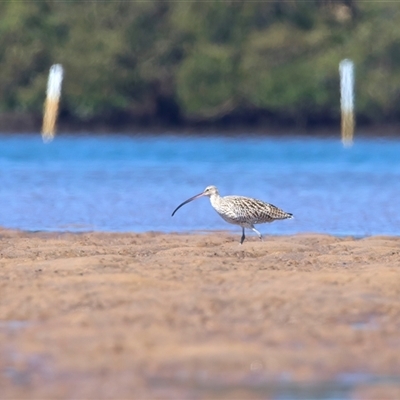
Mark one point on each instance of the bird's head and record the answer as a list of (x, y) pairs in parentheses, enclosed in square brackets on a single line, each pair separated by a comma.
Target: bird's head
[(209, 191)]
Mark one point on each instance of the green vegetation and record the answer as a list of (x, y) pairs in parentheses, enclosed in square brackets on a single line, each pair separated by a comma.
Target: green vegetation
[(162, 61)]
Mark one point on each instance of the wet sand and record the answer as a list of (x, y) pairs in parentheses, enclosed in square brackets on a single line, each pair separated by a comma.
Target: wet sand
[(195, 316)]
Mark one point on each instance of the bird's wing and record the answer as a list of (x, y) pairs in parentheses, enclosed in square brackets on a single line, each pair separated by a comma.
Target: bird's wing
[(253, 211)]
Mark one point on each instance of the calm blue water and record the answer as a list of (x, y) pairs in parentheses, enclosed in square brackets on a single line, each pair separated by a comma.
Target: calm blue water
[(123, 183)]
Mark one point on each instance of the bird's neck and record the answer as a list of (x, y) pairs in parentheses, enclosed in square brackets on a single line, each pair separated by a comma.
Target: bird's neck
[(215, 199)]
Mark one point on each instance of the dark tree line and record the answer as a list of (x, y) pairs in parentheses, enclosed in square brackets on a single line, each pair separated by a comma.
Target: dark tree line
[(170, 62)]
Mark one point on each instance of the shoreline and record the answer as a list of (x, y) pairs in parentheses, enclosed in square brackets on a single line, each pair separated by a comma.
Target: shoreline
[(32, 125), (177, 315), (201, 232)]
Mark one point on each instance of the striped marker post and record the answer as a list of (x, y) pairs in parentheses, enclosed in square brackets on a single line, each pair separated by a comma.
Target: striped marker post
[(52, 102), (346, 70)]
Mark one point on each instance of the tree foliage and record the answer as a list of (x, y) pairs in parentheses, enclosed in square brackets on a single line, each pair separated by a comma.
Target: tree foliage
[(168, 61)]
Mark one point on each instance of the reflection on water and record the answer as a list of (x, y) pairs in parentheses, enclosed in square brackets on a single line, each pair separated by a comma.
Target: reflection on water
[(13, 326), (36, 370), (122, 183), (343, 387)]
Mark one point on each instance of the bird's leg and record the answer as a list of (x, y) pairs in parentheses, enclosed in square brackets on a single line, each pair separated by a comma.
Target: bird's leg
[(258, 233), (243, 236)]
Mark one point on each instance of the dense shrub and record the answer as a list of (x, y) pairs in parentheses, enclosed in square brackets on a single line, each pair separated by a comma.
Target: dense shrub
[(200, 60)]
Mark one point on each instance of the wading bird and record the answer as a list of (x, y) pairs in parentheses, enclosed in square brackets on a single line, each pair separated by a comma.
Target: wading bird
[(239, 210)]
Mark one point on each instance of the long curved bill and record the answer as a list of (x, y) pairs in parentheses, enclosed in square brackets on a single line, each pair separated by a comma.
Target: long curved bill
[(187, 201)]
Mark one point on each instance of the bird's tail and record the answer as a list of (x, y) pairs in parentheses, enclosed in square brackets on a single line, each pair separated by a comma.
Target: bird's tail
[(277, 213)]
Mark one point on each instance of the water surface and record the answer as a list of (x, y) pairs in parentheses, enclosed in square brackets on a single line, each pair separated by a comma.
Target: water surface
[(133, 183)]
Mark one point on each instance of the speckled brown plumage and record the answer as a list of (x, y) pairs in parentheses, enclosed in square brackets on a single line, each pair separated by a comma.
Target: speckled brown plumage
[(242, 211), (245, 210)]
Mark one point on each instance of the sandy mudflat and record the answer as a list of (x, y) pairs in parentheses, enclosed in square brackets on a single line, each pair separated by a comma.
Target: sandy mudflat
[(198, 316)]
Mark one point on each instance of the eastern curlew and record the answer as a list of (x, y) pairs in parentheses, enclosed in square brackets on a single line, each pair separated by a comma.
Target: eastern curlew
[(239, 210)]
